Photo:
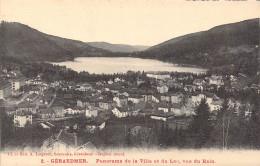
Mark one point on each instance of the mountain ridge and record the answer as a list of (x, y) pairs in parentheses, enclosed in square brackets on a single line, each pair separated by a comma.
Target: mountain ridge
[(124, 48)]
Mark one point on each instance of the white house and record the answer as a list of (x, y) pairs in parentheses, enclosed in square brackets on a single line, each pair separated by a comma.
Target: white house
[(158, 75), (176, 98), (91, 111), (215, 105), (197, 99), (120, 100), (22, 118), (73, 111), (162, 89), (85, 87), (216, 80), (155, 99), (121, 112), (110, 82), (34, 90)]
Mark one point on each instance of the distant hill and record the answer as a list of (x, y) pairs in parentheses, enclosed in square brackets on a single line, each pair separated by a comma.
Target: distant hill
[(118, 47), (21, 41), (222, 45)]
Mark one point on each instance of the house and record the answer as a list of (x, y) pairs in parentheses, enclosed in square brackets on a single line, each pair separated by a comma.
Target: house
[(106, 104), (17, 82), (232, 78), (176, 85), (165, 107), (136, 98), (55, 84), (199, 82), (26, 106), (190, 88), (92, 111), (35, 90), (166, 98), (176, 108), (99, 83), (59, 111), (158, 75), (85, 87), (139, 81), (255, 87), (162, 89), (22, 118), (43, 87), (36, 82), (110, 82), (31, 97), (117, 79), (155, 99), (45, 99), (71, 111), (142, 108), (96, 124), (183, 77), (196, 99), (99, 89), (46, 113), (248, 109), (162, 116), (177, 98), (16, 72), (121, 112), (83, 102), (216, 80), (61, 142), (124, 93), (120, 100), (170, 82), (5, 89), (215, 105)]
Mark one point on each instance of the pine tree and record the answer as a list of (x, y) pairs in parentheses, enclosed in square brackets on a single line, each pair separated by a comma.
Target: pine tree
[(201, 126)]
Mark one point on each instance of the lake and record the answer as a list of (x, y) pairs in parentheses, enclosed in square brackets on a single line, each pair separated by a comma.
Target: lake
[(111, 65)]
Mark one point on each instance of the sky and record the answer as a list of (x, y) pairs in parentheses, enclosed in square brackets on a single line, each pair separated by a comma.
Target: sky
[(135, 22)]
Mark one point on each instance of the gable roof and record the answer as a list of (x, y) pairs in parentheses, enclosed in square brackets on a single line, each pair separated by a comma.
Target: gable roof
[(68, 139)]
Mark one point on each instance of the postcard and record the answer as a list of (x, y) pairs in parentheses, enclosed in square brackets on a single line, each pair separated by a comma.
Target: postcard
[(130, 83)]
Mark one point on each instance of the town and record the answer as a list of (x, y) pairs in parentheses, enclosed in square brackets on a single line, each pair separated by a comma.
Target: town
[(135, 109)]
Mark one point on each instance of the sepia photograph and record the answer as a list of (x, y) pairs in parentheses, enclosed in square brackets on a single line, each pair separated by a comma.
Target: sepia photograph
[(129, 83)]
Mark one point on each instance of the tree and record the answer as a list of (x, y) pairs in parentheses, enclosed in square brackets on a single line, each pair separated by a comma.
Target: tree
[(128, 138), (201, 127), (254, 126), (224, 120)]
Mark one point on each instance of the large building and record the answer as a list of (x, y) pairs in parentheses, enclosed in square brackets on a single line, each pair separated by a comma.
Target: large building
[(18, 82), (22, 119)]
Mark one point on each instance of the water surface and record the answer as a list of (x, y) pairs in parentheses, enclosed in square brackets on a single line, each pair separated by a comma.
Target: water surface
[(110, 65)]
